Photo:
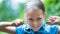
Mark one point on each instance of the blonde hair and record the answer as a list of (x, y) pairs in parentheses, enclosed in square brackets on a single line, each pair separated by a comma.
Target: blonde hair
[(35, 4)]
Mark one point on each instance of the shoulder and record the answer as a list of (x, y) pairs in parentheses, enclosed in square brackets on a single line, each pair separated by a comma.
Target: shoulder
[(21, 28), (52, 26), (52, 29)]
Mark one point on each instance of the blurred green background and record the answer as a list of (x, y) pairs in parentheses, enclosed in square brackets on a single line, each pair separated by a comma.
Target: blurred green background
[(14, 9)]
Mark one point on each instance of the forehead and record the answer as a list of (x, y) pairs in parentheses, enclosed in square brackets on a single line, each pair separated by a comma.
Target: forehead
[(35, 13)]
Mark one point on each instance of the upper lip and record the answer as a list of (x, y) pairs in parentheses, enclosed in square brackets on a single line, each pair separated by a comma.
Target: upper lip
[(35, 26)]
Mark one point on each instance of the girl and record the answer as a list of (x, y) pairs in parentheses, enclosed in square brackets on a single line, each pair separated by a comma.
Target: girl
[(35, 14)]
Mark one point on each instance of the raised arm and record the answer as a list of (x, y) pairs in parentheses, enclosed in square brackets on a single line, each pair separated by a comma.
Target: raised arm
[(10, 27), (6, 27), (55, 20)]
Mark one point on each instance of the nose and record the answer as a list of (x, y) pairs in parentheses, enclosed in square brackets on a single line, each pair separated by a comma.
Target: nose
[(35, 23)]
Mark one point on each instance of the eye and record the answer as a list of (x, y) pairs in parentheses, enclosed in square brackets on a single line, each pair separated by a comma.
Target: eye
[(38, 19), (31, 19)]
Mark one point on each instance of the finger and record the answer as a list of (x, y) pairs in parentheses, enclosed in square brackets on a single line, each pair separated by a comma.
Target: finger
[(50, 21), (55, 17)]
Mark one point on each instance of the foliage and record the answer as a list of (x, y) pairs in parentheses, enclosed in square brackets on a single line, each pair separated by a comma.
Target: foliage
[(9, 12), (52, 7)]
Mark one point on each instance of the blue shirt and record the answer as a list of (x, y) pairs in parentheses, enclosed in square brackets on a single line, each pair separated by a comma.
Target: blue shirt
[(45, 29)]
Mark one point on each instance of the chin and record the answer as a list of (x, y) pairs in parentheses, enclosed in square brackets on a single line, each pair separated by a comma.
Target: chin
[(36, 29)]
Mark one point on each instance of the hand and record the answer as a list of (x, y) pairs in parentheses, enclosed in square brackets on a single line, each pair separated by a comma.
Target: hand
[(17, 22), (54, 20)]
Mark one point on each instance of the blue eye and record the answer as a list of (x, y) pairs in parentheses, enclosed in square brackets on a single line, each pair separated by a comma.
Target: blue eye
[(31, 19), (38, 19)]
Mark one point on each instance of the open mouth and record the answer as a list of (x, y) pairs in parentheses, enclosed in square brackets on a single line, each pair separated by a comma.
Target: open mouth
[(35, 27)]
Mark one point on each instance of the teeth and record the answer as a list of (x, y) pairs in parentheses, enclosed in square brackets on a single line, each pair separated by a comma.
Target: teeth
[(35, 26)]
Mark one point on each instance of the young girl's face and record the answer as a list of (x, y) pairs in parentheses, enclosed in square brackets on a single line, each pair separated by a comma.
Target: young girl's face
[(35, 19)]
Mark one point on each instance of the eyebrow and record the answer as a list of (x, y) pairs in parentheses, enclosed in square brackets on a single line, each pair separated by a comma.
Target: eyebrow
[(39, 18)]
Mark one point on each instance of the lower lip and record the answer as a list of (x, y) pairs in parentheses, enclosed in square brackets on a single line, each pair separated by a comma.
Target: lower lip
[(35, 27)]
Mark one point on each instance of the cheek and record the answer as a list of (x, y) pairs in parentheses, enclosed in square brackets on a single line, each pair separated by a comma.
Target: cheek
[(40, 22), (30, 23)]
